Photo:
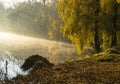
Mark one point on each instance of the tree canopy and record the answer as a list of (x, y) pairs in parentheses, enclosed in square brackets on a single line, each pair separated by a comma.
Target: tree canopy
[(90, 23)]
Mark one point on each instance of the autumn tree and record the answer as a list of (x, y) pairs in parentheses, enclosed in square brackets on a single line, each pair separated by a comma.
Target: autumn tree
[(90, 23), (96, 26), (118, 24), (108, 23), (80, 22), (114, 21)]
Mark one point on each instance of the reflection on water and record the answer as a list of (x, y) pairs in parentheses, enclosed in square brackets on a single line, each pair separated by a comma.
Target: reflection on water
[(13, 66)]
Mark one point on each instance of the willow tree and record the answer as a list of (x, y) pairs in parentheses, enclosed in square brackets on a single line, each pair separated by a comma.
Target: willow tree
[(114, 20), (118, 24), (108, 23), (96, 27), (80, 23)]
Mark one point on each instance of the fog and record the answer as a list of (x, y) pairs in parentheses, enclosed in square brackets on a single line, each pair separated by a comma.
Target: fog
[(25, 30), (15, 48), (22, 47)]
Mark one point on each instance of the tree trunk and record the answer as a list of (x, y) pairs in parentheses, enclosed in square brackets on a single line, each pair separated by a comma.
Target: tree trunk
[(96, 37), (114, 37), (114, 32), (96, 28)]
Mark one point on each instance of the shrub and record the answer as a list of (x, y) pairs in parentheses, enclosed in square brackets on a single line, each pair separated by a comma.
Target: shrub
[(40, 65), (35, 61)]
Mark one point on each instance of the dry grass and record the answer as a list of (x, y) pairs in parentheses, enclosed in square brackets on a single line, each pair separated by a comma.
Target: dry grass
[(87, 71)]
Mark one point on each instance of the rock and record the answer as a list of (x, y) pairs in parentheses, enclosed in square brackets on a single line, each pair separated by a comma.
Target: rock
[(35, 62)]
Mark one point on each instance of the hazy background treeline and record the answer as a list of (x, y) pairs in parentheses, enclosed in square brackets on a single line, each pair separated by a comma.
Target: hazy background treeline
[(29, 28), (37, 18)]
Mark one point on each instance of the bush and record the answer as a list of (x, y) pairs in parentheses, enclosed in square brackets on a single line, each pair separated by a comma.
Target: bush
[(35, 61), (40, 65)]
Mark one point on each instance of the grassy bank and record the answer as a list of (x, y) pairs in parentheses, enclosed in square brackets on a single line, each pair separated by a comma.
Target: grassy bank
[(103, 68)]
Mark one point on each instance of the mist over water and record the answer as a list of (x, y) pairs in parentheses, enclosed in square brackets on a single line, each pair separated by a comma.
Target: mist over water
[(22, 47), (16, 48)]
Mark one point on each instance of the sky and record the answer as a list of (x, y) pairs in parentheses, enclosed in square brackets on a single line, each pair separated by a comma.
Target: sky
[(9, 3)]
